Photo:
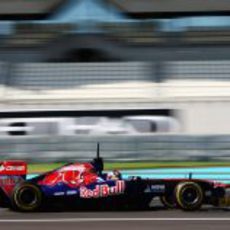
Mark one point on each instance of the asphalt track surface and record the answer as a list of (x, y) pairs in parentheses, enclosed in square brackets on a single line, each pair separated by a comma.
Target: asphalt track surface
[(155, 218)]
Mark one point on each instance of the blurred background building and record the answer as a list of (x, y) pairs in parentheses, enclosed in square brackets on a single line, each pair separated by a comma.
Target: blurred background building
[(115, 67)]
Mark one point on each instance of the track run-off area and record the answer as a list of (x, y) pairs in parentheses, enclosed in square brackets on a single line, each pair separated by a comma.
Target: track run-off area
[(155, 218)]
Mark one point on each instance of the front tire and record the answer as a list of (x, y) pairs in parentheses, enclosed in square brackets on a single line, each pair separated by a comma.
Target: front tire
[(189, 196), (26, 197)]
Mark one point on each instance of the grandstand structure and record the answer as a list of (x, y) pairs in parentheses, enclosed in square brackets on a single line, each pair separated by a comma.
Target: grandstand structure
[(97, 54)]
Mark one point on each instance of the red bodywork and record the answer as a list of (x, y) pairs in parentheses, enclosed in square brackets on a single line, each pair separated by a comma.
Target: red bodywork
[(73, 175)]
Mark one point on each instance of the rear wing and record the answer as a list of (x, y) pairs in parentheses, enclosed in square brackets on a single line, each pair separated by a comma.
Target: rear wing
[(13, 168), (11, 173)]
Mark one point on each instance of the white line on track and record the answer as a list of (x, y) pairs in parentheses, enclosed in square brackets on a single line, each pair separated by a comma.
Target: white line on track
[(65, 220)]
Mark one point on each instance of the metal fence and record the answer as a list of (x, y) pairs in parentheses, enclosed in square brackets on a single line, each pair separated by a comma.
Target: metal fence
[(41, 76), (195, 70), (118, 148)]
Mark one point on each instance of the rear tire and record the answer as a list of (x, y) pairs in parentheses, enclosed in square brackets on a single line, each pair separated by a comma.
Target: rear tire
[(189, 196), (4, 200), (26, 197)]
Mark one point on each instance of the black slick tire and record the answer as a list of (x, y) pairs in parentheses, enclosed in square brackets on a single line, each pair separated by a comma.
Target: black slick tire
[(26, 197), (189, 196)]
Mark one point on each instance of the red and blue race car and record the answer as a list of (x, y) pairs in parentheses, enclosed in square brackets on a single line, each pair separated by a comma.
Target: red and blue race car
[(84, 185)]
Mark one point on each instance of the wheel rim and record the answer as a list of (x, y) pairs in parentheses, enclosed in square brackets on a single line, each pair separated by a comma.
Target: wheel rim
[(190, 196)]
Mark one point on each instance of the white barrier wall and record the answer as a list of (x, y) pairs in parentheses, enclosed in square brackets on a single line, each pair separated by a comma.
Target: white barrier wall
[(207, 117)]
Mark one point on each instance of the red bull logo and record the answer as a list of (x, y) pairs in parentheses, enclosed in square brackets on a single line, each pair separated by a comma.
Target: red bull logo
[(103, 190)]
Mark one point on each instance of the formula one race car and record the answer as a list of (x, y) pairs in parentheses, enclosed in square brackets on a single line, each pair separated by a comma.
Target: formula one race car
[(84, 184)]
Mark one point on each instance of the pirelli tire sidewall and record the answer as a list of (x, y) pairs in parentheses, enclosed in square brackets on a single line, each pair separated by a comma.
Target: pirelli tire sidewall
[(182, 190), (19, 201)]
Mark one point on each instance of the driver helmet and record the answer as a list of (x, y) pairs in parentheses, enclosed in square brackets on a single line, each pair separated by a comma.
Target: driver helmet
[(114, 175)]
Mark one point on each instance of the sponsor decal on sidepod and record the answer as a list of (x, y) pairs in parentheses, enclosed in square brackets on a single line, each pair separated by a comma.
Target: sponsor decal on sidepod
[(12, 168), (103, 190)]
